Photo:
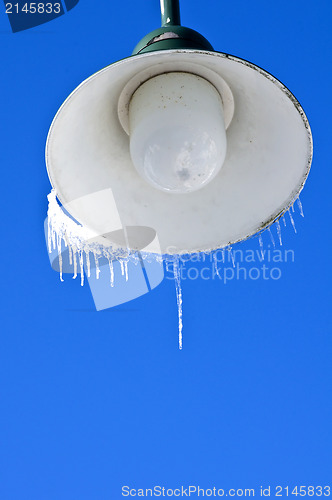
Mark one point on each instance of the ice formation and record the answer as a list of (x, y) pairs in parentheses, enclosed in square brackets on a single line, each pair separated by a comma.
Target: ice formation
[(83, 245)]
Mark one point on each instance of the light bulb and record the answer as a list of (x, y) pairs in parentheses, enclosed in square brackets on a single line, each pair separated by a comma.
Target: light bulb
[(177, 132)]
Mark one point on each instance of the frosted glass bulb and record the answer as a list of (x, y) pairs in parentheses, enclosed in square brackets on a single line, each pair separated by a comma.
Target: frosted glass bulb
[(177, 132)]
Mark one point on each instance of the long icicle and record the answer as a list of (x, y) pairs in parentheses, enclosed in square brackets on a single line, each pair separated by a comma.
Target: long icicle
[(177, 279)]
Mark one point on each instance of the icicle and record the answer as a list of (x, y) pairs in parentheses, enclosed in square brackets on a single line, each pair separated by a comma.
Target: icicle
[(292, 221), (110, 265), (215, 263), (284, 220), (59, 255), (88, 264), (49, 230), (271, 236), (77, 239), (279, 231), (53, 237), (229, 248), (177, 279), (260, 239), (300, 206), (70, 254), (111, 271), (75, 264), (65, 239), (293, 209), (167, 265), (81, 267), (97, 265)]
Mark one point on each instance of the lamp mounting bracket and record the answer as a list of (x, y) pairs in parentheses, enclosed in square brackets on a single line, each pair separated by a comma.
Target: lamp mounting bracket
[(171, 35)]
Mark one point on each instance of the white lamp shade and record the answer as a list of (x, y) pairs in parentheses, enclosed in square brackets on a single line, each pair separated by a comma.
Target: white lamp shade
[(269, 152)]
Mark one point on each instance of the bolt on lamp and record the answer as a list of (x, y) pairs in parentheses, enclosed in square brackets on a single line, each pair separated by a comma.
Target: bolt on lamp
[(205, 148)]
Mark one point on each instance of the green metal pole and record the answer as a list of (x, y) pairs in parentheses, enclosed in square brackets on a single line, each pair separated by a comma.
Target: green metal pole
[(170, 12), (171, 35)]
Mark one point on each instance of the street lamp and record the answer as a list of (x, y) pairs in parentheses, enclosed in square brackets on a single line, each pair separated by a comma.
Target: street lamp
[(205, 148)]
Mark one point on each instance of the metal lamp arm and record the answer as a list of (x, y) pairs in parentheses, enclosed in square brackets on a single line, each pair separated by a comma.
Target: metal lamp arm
[(171, 35), (170, 13)]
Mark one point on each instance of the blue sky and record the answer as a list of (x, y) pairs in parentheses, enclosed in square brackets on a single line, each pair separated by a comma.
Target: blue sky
[(91, 401)]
